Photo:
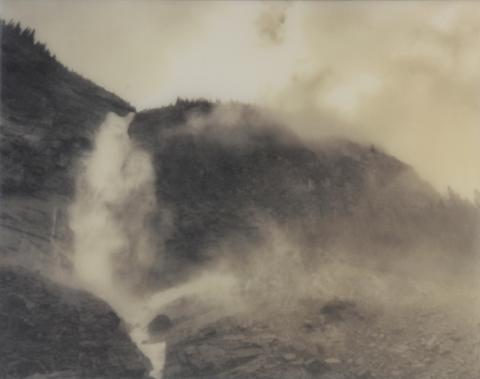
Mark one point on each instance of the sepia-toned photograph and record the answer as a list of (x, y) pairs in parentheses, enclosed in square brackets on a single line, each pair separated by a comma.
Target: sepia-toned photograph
[(236, 189)]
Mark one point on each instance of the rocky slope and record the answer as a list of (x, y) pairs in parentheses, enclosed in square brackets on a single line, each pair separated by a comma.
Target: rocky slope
[(47, 328), (337, 339)]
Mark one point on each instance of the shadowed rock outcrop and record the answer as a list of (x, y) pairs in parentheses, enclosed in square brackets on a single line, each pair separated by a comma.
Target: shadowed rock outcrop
[(46, 328)]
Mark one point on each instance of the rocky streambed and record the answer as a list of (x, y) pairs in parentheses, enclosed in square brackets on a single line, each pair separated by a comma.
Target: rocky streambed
[(336, 339)]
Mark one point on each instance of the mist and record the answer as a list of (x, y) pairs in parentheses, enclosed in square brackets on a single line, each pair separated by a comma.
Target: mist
[(113, 242)]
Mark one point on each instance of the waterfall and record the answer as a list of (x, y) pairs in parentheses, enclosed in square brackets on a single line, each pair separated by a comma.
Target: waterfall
[(113, 245)]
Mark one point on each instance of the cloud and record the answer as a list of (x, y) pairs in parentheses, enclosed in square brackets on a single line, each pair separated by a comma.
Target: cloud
[(271, 23), (398, 75)]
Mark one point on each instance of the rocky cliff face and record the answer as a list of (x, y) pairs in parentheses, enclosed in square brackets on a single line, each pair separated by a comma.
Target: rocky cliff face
[(48, 119)]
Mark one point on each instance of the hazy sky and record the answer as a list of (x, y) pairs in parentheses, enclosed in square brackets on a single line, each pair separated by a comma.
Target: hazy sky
[(404, 75)]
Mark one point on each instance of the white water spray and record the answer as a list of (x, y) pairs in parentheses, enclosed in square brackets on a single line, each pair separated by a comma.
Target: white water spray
[(112, 246)]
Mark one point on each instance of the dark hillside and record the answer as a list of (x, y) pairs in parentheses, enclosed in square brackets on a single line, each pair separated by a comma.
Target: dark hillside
[(227, 171)]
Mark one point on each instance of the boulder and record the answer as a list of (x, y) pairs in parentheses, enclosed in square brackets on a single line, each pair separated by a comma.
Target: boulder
[(159, 325)]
